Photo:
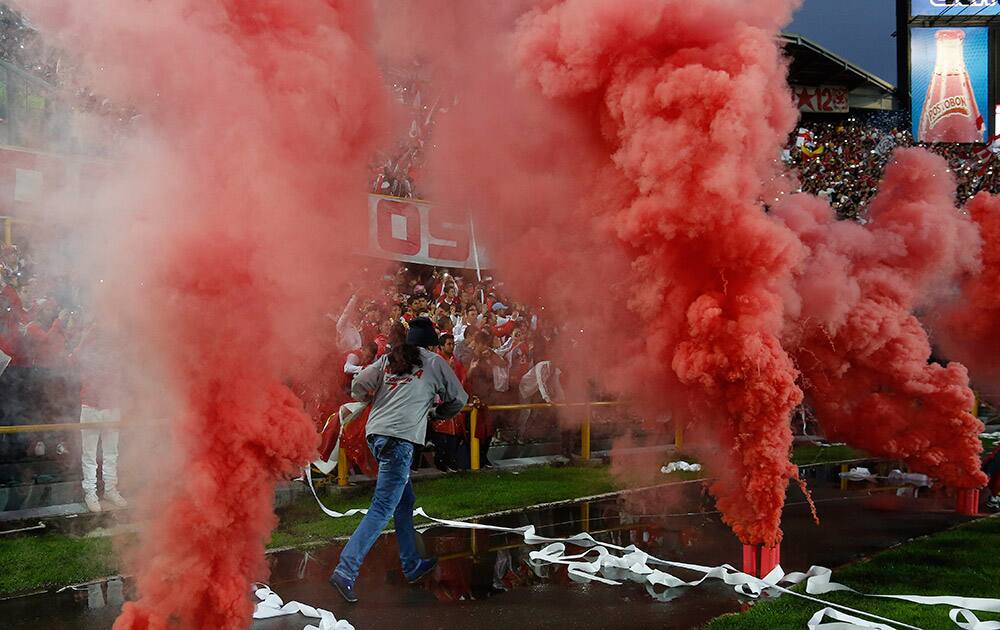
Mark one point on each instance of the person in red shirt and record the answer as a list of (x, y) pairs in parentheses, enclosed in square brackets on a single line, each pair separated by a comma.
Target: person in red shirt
[(45, 338), (480, 382), (12, 318), (449, 298), (447, 433), (352, 436), (503, 326)]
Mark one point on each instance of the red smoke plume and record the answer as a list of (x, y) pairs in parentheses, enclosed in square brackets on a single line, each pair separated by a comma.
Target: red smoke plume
[(613, 155), (635, 183), (967, 329), (694, 110), (245, 181), (525, 168), (864, 356)]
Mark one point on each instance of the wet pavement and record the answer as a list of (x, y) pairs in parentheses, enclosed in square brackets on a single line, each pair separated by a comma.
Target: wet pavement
[(484, 582)]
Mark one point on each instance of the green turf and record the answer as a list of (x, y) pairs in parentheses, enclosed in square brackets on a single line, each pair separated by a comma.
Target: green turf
[(805, 454), (29, 564), (453, 496), (802, 455), (959, 562), (53, 560)]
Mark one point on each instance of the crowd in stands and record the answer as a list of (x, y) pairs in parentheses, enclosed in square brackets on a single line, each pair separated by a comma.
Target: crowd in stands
[(395, 171), (843, 161), (56, 366), (59, 112), (497, 346), (500, 347)]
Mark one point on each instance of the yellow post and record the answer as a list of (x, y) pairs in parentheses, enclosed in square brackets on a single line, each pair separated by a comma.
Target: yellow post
[(975, 405), (8, 236), (843, 480), (585, 435), (678, 435), (473, 440), (585, 515), (473, 547), (341, 467)]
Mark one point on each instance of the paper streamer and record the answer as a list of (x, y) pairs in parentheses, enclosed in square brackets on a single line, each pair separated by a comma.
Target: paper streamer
[(270, 605), (680, 466), (841, 621), (610, 564)]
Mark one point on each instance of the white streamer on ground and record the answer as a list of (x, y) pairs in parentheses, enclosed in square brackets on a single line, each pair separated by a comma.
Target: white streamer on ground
[(599, 560), (270, 605), (680, 466)]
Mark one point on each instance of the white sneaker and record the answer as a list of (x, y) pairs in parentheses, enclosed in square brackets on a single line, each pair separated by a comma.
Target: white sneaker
[(115, 497), (90, 498), (39, 449)]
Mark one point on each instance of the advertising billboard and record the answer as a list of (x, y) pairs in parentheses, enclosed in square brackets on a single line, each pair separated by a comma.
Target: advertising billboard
[(950, 8), (949, 83)]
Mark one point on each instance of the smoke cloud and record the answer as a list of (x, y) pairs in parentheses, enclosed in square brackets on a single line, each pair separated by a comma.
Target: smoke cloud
[(235, 207), (966, 329), (864, 356), (706, 265), (618, 181), (618, 154), (614, 157)]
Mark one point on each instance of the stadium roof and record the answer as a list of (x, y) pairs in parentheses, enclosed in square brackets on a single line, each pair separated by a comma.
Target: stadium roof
[(814, 65)]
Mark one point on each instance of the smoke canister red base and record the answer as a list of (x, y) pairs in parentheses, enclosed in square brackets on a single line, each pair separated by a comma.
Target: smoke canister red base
[(968, 502), (758, 560)]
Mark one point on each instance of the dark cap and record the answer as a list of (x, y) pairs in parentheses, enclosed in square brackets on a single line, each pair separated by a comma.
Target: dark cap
[(422, 333)]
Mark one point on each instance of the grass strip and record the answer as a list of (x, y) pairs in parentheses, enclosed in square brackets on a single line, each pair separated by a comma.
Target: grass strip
[(805, 454), (958, 562), (52, 560), (451, 497)]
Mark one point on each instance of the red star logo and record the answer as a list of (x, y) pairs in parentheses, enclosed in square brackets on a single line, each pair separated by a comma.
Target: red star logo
[(805, 97)]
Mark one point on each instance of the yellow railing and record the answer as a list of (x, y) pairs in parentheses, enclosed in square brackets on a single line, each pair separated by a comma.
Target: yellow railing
[(8, 228), (474, 462), (473, 410), (342, 465), (64, 426)]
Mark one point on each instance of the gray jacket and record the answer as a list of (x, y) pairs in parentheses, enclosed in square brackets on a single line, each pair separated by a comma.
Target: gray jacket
[(402, 403)]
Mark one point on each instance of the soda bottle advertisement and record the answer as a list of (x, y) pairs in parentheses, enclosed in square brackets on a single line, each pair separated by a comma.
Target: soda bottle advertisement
[(949, 84)]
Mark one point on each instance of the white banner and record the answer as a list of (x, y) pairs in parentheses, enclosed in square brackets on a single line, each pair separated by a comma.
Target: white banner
[(415, 231)]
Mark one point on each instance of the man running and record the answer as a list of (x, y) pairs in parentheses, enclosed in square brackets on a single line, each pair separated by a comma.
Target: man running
[(402, 387)]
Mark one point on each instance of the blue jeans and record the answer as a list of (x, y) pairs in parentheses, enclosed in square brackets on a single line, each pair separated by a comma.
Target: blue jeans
[(393, 498)]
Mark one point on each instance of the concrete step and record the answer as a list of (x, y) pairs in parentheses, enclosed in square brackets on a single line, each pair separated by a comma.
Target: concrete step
[(39, 495)]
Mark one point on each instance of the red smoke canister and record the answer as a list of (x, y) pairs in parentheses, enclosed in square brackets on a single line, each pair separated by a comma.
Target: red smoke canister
[(968, 502), (758, 560)]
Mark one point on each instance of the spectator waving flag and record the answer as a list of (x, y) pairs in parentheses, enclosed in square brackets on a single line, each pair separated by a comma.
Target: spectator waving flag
[(885, 144), (991, 147), (805, 137), (806, 142)]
